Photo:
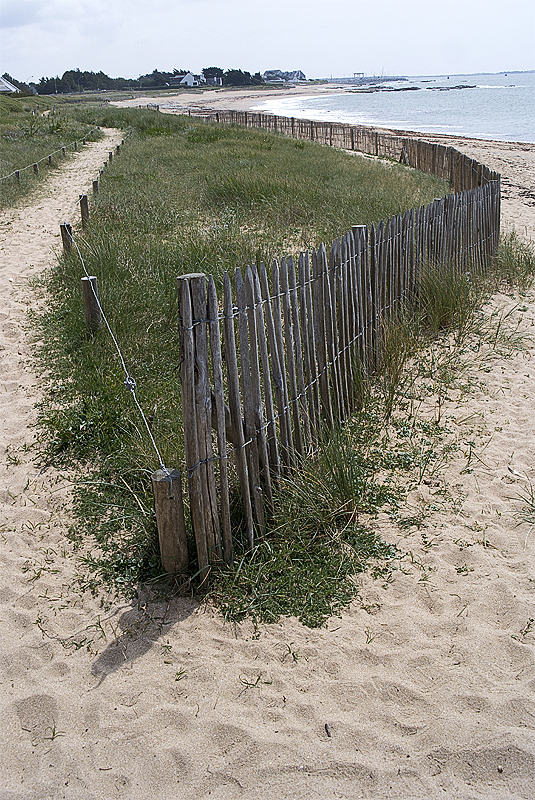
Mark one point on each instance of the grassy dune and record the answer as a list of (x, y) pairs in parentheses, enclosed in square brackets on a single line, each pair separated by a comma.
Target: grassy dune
[(31, 128), (187, 196)]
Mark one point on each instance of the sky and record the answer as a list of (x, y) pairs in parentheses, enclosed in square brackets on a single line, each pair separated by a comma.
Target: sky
[(127, 38)]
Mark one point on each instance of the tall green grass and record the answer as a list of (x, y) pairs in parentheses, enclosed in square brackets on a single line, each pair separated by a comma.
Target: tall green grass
[(31, 128)]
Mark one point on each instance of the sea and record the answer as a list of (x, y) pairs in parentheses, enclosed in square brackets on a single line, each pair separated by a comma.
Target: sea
[(498, 106)]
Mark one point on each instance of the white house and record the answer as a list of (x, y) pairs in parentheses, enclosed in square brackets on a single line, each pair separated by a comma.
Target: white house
[(6, 86), (189, 79)]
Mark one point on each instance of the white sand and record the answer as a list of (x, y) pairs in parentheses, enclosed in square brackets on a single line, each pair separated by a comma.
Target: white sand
[(426, 688)]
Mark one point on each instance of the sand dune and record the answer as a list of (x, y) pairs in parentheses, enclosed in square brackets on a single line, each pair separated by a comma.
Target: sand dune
[(422, 690)]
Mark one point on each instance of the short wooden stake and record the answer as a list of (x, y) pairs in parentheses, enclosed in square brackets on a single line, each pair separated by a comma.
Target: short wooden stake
[(84, 210), (63, 151), (111, 157), (93, 315), (169, 509), (49, 161), (95, 187), (118, 149), (36, 169), (66, 236), (17, 175), (83, 140), (76, 145)]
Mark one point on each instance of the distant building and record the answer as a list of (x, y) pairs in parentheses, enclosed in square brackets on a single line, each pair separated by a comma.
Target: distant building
[(6, 86), (278, 76), (186, 79), (216, 81)]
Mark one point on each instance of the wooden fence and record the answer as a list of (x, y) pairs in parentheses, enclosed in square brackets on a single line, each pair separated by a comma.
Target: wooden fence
[(445, 162), (279, 360)]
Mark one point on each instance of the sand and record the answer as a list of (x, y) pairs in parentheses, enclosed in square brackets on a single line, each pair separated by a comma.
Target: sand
[(424, 689)]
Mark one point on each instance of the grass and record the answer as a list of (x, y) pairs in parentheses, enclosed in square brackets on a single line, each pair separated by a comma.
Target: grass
[(31, 128), (188, 196)]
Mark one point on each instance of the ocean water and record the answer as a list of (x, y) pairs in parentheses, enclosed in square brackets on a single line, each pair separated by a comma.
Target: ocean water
[(494, 106)]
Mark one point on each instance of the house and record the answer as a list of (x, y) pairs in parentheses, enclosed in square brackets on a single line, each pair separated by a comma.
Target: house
[(186, 79), (6, 86), (278, 76)]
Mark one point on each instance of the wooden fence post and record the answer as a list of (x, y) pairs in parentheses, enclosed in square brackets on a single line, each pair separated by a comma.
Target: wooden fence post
[(76, 146), (49, 161), (36, 169), (64, 152), (169, 510), (95, 187), (66, 236), (84, 210), (93, 314), (197, 418), (17, 175)]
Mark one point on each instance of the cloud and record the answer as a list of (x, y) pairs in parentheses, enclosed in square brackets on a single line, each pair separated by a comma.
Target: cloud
[(135, 36), (19, 13)]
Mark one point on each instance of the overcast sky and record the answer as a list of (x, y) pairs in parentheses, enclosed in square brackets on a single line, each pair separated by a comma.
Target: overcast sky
[(321, 37)]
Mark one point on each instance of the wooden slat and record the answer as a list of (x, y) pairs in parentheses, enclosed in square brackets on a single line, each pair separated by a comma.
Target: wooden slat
[(235, 406), (266, 373), (252, 449), (320, 336), (307, 334), (219, 402), (191, 439), (203, 405), (258, 410), (279, 336), (331, 334), (277, 368), (290, 357), (299, 355)]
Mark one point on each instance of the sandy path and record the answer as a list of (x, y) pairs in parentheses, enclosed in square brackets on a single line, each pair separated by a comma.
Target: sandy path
[(427, 688), (29, 239)]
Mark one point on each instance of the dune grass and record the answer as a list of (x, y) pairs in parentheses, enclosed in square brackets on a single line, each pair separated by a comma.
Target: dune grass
[(31, 128), (189, 196)]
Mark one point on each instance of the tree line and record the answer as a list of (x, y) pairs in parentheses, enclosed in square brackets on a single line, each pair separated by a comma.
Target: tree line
[(76, 80)]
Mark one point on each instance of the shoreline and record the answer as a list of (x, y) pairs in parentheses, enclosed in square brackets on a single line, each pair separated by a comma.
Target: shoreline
[(515, 161), (247, 99)]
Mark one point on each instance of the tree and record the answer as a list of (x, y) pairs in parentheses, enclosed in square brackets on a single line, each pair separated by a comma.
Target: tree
[(237, 77), (212, 72)]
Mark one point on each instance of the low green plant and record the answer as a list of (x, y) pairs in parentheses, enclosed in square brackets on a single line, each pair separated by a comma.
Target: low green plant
[(514, 263), (446, 300)]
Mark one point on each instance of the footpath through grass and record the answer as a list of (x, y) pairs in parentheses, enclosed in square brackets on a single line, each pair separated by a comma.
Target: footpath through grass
[(188, 196)]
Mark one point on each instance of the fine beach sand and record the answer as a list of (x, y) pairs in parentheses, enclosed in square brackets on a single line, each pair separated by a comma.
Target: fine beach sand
[(426, 686)]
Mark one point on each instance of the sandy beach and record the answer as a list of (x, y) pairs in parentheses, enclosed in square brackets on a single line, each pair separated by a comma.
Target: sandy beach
[(514, 161), (422, 689)]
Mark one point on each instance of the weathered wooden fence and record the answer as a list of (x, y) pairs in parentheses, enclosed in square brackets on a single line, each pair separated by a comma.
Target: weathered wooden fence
[(445, 162), (279, 359)]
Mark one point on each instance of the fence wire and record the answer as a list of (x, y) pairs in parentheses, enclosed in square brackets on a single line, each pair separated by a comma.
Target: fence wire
[(45, 158)]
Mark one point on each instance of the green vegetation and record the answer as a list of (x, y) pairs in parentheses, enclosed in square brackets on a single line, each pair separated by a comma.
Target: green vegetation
[(76, 81), (189, 196), (31, 128)]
